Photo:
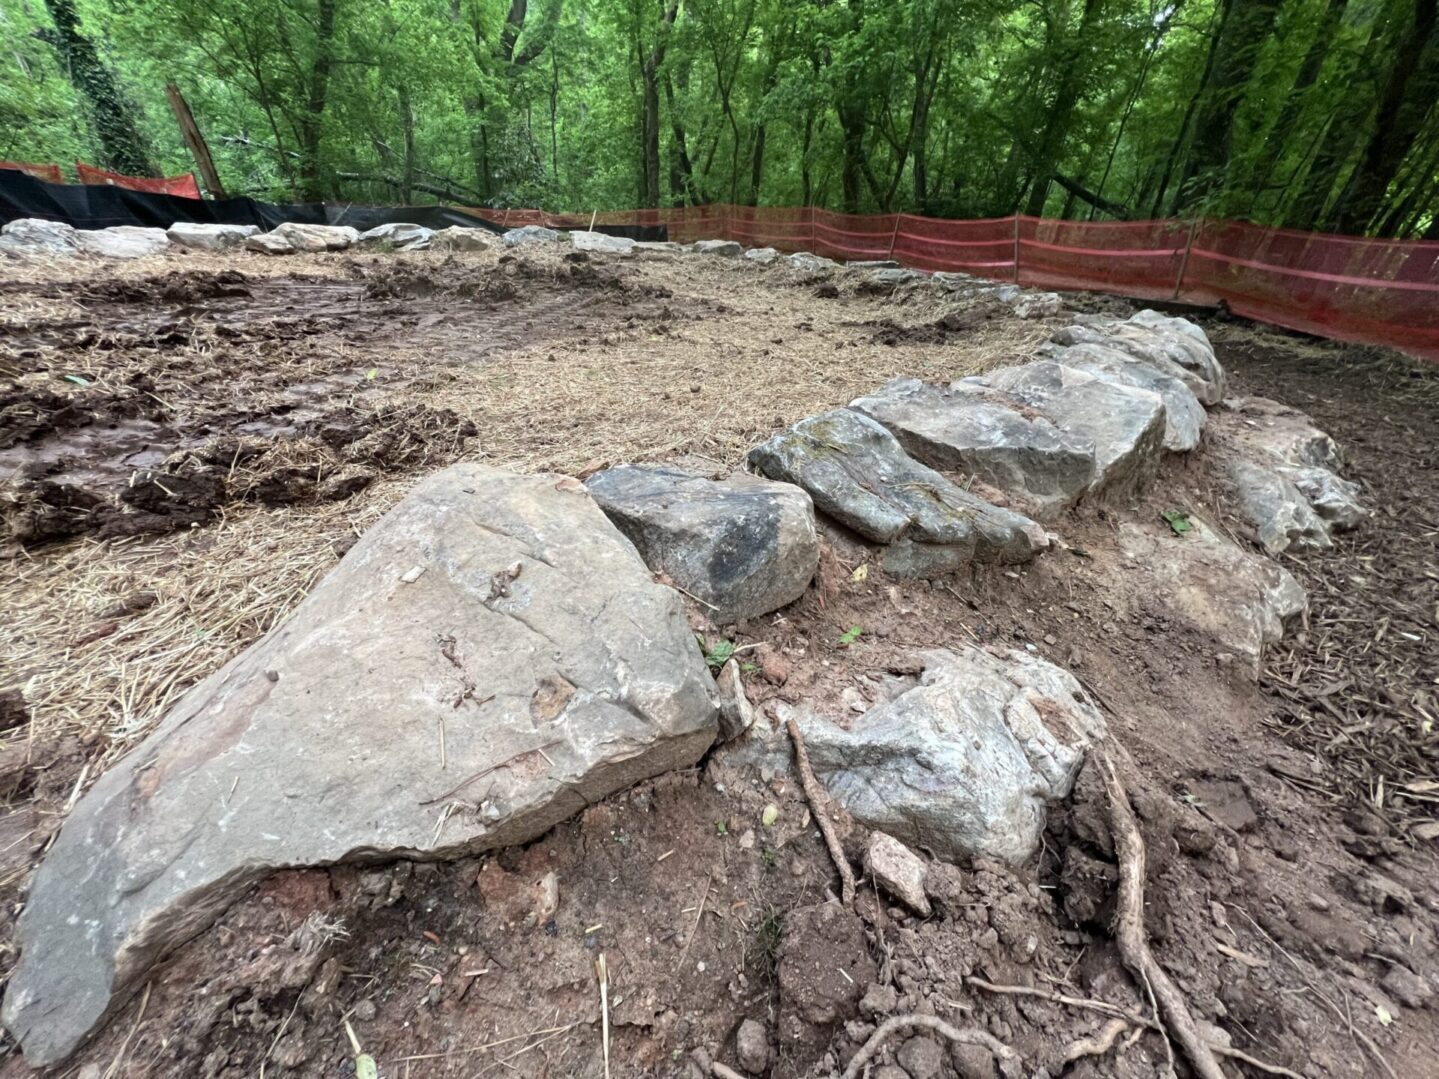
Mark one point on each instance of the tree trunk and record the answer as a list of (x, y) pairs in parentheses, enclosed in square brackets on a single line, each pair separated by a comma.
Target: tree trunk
[(1397, 121), (1284, 124), (311, 122), (122, 146), (1244, 27), (650, 116), (1050, 147)]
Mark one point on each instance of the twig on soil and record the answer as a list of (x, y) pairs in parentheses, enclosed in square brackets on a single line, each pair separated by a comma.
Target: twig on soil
[(817, 799), (280, 1034), (963, 1036), (1129, 929), (1364, 1039), (114, 1068), (486, 1045), (720, 1071), (694, 929), (603, 974), (1098, 1044)]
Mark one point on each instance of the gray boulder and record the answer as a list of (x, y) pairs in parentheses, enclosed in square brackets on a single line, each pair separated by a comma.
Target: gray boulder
[(1281, 516), (269, 243), (499, 616), (893, 277), (529, 234), (858, 474), (123, 242), (809, 263), (1125, 423), (1038, 305), (315, 238), (1243, 601), (1184, 416), (763, 255), (397, 234), (35, 236), (1283, 434), (1187, 345), (203, 236), (742, 546), (953, 282), (963, 763), (601, 244), (1174, 353), (460, 238), (1027, 457), (659, 247), (723, 248), (1334, 499)]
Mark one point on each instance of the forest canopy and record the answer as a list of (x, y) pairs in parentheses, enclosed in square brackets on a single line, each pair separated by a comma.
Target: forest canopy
[(1304, 113)]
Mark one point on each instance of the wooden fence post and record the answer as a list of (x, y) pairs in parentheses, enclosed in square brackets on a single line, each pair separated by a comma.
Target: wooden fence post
[(1184, 259), (190, 132), (893, 236)]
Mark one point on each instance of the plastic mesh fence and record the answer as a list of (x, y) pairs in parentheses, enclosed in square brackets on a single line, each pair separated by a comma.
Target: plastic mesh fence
[(1383, 292), (183, 186)]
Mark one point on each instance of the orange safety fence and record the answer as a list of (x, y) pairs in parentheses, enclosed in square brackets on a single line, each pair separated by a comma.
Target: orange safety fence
[(1382, 292), (51, 174), (183, 186)]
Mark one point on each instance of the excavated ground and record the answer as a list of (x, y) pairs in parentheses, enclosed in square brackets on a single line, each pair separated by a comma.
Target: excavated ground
[(1290, 895)]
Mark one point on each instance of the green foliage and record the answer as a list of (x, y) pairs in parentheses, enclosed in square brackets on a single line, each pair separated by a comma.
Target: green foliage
[(849, 636), (717, 654), (1315, 113), (1177, 520)]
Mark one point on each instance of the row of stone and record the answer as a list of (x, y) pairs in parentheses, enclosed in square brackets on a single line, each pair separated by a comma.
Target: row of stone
[(33, 236)]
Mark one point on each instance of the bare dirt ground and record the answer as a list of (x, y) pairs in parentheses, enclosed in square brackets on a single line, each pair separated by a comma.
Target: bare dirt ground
[(1290, 894)]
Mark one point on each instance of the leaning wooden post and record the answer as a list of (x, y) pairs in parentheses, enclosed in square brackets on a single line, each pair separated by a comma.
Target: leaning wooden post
[(190, 132), (1184, 259), (893, 236)]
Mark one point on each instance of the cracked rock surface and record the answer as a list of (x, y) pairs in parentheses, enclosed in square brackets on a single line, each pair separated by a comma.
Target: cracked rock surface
[(500, 617)]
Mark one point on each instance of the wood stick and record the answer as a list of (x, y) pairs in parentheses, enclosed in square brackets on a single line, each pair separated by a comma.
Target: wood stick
[(817, 799), (1130, 936), (965, 1036)]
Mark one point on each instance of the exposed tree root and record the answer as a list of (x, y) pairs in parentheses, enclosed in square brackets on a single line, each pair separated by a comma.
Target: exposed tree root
[(1007, 1057), (1098, 1044), (1130, 936), (818, 799), (1140, 1022)]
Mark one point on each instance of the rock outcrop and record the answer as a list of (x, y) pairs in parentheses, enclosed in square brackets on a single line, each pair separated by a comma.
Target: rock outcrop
[(964, 763), (742, 546), (203, 236), (500, 616), (1026, 456), (1125, 423), (529, 234), (36, 236), (399, 235), (123, 242), (601, 244), (858, 474)]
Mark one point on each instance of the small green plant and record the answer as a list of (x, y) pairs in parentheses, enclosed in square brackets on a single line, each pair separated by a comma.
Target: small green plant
[(717, 654), (770, 857), (849, 636), (1178, 520), (721, 827)]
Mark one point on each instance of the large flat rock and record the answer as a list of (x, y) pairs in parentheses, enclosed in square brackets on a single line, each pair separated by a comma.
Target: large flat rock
[(1125, 423), (964, 762), (205, 236), (1274, 506), (601, 243), (315, 238), (499, 616), (1025, 456), (399, 235), (36, 236), (742, 546), (1184, 416), (1240, 599), (858, 474), (123, 241), (1176, 346)]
